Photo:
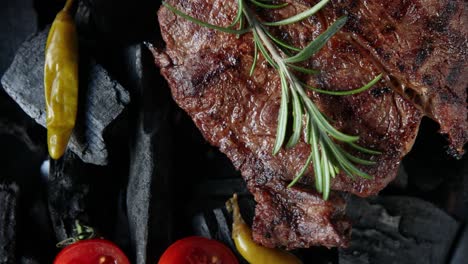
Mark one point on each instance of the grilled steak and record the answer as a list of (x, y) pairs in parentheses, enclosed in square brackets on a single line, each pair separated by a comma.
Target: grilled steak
[(420, 48)]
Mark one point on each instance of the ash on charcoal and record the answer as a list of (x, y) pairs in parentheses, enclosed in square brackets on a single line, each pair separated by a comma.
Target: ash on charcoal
[(149, 199), (8, 211), (102, 99), (398, 229)]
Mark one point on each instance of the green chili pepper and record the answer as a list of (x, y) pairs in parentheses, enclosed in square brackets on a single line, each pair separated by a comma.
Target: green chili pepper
[(61, 81)]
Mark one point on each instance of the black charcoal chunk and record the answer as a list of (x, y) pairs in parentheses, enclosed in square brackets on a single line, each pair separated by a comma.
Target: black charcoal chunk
[(217, 223), (398, 229), (149, 196), (460, 254), (222, 187), (19, 20), (27, 260), (21, 127), (8, 212), (102, 99), (67, 194)]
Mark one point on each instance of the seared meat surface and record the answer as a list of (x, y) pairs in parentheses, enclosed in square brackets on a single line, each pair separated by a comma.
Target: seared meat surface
[(423, 47), (424, 64)]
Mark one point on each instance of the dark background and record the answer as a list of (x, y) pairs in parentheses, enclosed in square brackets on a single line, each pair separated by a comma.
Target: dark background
[(191, 178)]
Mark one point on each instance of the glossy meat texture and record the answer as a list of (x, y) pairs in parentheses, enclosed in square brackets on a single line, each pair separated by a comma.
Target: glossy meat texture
[(423, 47), (208, 73)]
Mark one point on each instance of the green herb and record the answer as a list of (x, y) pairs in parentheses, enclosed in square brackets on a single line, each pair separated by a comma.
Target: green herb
[(328, 157)]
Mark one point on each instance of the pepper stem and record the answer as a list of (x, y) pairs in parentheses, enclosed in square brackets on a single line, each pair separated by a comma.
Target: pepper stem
[(81, 232), (68, 5)]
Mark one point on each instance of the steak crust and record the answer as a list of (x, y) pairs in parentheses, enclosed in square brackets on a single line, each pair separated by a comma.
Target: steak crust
[(208, 73), (422, 45)]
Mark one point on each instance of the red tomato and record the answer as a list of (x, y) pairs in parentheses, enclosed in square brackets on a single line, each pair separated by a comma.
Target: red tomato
[(198, 250), (92, 251)]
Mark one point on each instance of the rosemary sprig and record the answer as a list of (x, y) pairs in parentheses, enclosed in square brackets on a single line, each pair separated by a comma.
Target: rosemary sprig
[(328, 157)]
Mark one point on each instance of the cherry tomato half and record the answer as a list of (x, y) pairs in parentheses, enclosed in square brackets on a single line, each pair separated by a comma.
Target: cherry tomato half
[(92, 251), (198, 250)]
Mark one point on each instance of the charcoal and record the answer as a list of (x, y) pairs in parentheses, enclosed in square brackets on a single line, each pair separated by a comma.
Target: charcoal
[(460, 254), (398, 229), (8, 212), (102, 99), (149, 200), (88, 193), (217, 223), (222, 187), (23, 131), (19, 20), (66, 195), (20, 163), (26, 260)]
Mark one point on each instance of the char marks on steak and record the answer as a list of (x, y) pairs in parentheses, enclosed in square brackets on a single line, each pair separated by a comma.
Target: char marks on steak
[(423, 47), (208, 73)]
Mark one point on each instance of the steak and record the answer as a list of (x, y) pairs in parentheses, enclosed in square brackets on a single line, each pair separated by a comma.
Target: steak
[(419, 46)]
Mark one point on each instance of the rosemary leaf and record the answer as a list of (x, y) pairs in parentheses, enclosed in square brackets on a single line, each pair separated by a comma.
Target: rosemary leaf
[(300, 16), (323, 123), (364, 150), (357, 171), (332, 169), (302, 171), (297, 119), (318, 43), (348, 172), (349, 92), (316, 158), (344, 162), (281, 43), (268, 6), (282, 116), (254, 62), (264, 51), (240, 27), (238, 17), (303, 70), (358, 160), (337, 170), (308, 123), (204, 24), (326, 174)]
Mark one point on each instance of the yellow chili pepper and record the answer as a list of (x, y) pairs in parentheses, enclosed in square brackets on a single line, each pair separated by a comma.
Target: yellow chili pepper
[(252, 252), (61, 81)]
